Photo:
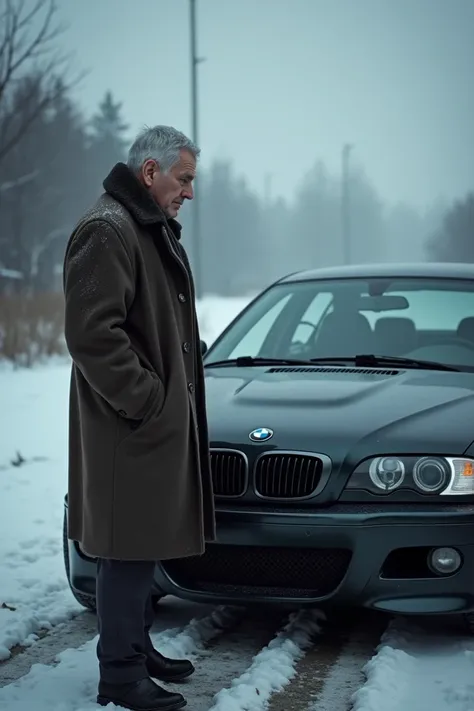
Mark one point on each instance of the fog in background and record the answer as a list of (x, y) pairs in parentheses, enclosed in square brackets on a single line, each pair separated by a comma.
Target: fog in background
[(284, 86), (289, 81)]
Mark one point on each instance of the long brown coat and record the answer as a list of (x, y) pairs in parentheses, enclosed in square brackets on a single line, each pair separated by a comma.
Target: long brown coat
[(140, 484)]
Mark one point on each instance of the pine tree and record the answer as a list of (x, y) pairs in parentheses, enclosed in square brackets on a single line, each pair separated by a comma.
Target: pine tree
[(107, 136)]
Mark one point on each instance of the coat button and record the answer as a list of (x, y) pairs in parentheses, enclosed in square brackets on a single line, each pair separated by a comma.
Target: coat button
[(122, 413), (182, 297), (191, 387), (186, 347)]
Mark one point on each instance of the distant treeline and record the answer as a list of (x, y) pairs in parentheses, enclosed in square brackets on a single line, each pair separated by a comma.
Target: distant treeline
[(53, 161)]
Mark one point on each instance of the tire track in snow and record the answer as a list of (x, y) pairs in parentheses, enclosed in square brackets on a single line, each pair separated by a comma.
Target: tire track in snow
[(273, 667), (334, 687), (228, 657), (245, 661), (309, 664), (311, 670)]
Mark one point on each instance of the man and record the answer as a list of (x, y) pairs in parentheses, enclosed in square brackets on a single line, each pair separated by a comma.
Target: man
[(139, 472)]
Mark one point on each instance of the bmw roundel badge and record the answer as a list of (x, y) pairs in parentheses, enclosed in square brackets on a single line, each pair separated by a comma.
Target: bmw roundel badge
[(262, 434)]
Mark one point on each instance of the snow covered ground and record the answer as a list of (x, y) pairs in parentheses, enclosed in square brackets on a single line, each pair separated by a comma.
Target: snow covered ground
[(419, 669), (33, 427), (415, 668)]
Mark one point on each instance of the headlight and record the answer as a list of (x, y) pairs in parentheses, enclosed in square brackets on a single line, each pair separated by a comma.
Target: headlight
[(431, 474), (387, 473), (443, 476)]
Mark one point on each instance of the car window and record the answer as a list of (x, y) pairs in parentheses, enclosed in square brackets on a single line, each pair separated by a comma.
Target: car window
[(252, 341), (424, 318)]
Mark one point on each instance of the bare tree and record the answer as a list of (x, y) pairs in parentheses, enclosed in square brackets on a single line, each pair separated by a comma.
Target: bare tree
[(28, 35)]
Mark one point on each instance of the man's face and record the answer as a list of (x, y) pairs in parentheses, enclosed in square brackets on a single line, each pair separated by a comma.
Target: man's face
[(171, 189)]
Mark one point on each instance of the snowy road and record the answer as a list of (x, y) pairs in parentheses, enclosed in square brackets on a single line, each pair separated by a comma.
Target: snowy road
[(250, 660)]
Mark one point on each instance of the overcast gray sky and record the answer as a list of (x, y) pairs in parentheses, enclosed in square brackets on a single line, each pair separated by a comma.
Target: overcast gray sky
[(287, 81)]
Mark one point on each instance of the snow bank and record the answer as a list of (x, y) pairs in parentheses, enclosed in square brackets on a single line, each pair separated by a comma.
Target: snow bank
[(419, 669)]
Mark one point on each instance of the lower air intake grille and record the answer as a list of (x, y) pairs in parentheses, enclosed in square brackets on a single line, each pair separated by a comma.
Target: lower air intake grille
[(282, 475), (257, 570), (229, 472)]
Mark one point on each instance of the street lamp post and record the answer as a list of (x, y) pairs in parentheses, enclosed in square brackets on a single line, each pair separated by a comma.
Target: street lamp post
[(346, 205), (196, 213)]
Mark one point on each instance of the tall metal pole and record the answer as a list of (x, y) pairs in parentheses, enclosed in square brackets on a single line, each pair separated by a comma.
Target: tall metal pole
[(196, 213), (346, 205)]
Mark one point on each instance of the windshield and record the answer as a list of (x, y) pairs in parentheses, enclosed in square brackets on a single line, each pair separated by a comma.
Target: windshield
[(426, 319)]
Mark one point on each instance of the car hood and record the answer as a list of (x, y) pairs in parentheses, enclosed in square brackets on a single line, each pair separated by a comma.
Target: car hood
[(342, 412)]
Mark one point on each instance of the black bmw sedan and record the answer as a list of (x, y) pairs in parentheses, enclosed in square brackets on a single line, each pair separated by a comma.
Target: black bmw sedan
[(341, 414)]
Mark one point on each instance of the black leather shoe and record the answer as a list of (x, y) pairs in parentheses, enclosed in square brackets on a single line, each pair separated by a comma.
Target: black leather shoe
[(143, 695), (164, 669)]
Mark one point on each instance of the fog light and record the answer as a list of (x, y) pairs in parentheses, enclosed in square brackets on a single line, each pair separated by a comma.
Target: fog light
[(444, 561)]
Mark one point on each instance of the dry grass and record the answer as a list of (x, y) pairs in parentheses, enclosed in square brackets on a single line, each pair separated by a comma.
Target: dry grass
[(31, 327)]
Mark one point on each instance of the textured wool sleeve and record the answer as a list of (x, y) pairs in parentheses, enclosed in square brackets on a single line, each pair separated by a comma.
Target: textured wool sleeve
[(99, 285)]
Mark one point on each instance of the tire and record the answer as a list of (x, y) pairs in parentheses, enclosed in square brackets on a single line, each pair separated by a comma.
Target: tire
[(87, 601)]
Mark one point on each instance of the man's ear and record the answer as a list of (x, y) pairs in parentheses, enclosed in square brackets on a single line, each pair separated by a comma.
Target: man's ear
[(149, 169)]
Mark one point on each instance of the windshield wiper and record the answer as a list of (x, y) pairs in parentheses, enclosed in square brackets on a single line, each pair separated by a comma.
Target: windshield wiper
[(372, 361), (360, 361), (249, 361)]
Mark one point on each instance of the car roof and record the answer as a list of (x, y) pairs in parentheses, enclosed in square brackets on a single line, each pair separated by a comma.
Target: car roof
[(439, 270)]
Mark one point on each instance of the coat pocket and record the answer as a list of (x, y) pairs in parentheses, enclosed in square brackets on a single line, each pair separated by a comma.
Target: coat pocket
[(127, 428)]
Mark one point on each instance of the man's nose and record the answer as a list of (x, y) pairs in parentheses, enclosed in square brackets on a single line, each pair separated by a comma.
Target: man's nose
[(188, 192)]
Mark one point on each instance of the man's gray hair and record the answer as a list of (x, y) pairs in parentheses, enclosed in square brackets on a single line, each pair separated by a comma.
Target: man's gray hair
[(160, 143)]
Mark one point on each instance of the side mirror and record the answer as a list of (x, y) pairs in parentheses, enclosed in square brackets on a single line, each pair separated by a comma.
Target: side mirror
[(203, 347)]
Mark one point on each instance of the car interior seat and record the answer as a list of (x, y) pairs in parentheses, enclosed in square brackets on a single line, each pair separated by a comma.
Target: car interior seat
[(466, 329), (394, 336), (343, 333)]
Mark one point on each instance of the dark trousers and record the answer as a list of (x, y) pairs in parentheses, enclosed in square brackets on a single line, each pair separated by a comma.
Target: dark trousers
[(125, 616)]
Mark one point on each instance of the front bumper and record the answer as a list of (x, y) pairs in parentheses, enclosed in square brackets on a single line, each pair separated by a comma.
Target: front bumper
[(349, 554)]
